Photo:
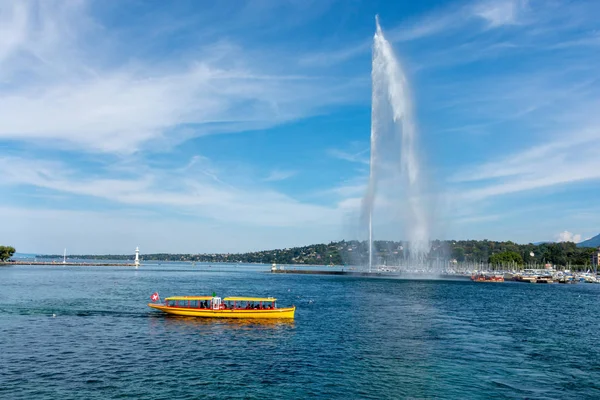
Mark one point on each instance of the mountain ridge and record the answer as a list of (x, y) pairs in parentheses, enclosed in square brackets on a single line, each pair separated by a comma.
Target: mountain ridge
[(591, 242)]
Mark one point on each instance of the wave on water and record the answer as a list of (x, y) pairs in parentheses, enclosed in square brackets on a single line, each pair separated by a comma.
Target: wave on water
[(62, 312)]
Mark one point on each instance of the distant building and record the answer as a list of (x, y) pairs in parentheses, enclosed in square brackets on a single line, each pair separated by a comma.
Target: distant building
[(596, 258)]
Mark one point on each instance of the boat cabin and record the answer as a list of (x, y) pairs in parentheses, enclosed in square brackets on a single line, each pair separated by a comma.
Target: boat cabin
[(216, 303)]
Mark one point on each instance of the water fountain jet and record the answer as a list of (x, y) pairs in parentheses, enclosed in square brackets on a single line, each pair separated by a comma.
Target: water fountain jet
[(392, 118)]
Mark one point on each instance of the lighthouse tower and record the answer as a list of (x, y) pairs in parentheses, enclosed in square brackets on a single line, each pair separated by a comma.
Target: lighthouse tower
[(137, 257)]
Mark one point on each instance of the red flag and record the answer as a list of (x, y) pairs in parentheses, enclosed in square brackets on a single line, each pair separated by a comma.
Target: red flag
[(154, 296)]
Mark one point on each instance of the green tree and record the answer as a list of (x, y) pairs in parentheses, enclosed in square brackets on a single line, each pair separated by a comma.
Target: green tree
[(6, 252), (458, 253), (506, 257)]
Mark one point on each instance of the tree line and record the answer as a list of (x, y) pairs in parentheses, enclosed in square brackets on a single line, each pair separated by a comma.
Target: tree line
[(562, 254), (355, 252)]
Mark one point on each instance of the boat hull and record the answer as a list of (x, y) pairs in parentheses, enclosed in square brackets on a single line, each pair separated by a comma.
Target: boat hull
[(277, 313)]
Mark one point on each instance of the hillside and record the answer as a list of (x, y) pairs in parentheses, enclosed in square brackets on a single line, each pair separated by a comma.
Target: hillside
[(592, 242)]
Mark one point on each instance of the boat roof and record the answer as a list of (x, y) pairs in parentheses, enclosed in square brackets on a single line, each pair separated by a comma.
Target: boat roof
[(225, 299), (189, 298), (249, 299)]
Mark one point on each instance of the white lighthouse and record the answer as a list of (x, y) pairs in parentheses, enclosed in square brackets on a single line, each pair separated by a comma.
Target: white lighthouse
[(137, 257)]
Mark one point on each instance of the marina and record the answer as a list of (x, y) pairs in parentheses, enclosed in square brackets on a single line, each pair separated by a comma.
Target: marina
[(525, 276)]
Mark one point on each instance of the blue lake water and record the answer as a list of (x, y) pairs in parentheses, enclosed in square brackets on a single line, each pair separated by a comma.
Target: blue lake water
[(357, 338)]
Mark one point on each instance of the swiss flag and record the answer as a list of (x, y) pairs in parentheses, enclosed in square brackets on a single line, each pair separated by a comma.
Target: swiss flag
[(154, 296)]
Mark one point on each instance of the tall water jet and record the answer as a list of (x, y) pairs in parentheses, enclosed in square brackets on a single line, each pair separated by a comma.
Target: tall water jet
[(392, 123)]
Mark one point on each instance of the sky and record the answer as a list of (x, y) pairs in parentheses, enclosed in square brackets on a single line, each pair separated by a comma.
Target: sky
[(228, 126)]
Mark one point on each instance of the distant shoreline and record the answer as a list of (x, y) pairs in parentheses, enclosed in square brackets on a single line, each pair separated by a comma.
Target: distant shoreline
[(474, 253)]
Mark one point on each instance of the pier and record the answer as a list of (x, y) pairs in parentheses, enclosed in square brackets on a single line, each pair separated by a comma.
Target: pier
[(63, 264), (372, 274)]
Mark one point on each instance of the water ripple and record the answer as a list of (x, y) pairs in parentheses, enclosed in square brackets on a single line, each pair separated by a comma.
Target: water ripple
[(359, 338)]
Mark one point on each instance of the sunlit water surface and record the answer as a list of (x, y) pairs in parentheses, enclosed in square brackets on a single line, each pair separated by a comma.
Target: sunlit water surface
[(352, 337)]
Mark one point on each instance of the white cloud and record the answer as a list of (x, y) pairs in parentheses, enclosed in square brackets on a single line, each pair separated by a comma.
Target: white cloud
[(13, 24), (280, 175), (71, 97), (556, 162), (353, 189), (445, 21), (567, 236), (360, 157), (64, 82), (120, 111), (205, 197), (500, 12)]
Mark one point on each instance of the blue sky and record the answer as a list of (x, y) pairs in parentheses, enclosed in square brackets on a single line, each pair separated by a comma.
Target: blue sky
[(210, 126)]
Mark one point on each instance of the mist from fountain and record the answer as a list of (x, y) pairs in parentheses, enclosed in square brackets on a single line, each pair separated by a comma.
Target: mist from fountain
[(394, 133)]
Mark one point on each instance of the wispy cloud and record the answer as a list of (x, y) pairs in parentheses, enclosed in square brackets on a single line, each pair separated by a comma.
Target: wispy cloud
[(121, 112), (557, 162), (506, 92), (280, 175), (360, 157), (125, 104), (209, 198), (444, 21), (498, 13)]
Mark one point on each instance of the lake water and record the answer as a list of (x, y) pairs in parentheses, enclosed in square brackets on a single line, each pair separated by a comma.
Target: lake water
[(352, 337)]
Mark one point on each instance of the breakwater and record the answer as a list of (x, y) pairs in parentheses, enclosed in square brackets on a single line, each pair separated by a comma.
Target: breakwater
[(80, 264), (372, 274)]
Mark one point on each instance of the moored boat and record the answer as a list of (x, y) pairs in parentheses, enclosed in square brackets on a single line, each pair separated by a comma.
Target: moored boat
[(229, 307), (487, 278), (543, 279), (525, 278)]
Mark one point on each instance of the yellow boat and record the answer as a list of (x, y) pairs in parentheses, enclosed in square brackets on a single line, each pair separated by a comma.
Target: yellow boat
[(229, 307)]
